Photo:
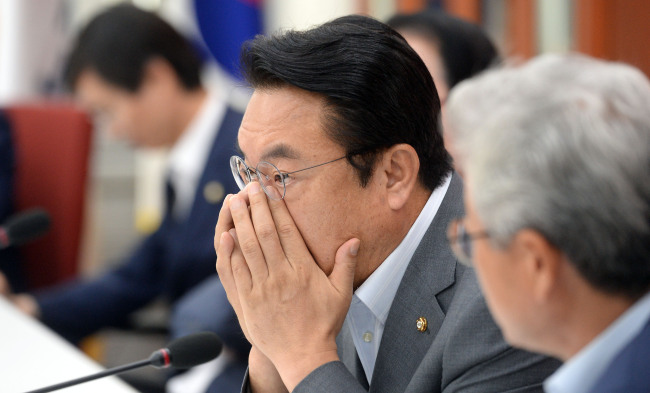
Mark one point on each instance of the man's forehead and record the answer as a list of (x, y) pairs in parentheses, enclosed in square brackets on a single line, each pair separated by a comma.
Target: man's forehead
[(275, 151), (282, 123)]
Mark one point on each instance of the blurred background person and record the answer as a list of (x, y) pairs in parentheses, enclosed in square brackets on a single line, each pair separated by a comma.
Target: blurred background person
[(11, 274), (556, 156), (133, 71), (452, 49)]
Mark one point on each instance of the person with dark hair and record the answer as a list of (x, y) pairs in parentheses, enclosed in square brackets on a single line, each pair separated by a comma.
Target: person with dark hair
[(133, 69), (560, 239), (334, 254), (452, 49)]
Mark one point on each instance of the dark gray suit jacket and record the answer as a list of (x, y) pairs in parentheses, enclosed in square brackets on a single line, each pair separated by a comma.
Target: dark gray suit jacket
[(461, 351)]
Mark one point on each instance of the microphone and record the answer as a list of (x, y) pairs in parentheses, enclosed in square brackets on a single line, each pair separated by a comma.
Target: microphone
[(184, 352), (23, 227)]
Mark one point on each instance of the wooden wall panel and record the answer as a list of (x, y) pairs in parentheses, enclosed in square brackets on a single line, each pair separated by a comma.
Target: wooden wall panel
[(614, 30), (467, 9), (521, 29), (410, 6)]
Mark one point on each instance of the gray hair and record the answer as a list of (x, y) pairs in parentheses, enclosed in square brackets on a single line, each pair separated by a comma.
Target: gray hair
[(561, 145)]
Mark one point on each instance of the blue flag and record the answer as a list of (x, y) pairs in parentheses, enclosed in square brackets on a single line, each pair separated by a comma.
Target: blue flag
[(225, 25)]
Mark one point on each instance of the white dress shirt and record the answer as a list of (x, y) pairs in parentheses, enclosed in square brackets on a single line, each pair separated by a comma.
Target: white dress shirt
[(185, 165), (581, 372), (372, 300), (188, 157)]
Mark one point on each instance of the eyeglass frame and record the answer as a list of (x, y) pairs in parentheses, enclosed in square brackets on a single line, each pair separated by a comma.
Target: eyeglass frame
[(284, 175), (460, 240)]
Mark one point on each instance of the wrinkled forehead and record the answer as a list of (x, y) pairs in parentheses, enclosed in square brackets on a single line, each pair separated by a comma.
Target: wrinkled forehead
[(275, 151), (284, 123)]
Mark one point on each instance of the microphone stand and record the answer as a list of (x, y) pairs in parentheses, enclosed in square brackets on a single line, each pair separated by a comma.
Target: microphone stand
[(158, 359), (184, 352)]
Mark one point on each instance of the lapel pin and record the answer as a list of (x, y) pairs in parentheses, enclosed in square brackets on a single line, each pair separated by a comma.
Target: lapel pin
[(421, 324)]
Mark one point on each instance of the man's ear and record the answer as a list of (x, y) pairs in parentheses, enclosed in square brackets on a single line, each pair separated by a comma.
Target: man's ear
[(399, 167), (541, 263)]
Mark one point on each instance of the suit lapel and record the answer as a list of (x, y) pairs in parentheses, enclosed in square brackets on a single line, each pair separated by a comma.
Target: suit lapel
[(217, 170), (431, 271)]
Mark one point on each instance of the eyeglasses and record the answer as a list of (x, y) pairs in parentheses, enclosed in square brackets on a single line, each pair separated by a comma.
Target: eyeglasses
[(273, 181), (461, 241)]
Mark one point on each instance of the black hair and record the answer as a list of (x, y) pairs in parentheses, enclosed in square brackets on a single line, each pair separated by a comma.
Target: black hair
[(118, 43), (464, 47), (377, 91)]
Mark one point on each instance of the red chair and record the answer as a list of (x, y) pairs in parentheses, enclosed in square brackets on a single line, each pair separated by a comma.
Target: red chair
[(52, 142)]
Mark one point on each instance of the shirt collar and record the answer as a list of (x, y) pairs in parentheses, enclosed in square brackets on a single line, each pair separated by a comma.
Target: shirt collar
[(582, 371), (378, 291), (188, 156)]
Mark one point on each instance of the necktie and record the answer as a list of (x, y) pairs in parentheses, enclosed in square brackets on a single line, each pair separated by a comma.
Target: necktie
[(170, 196)]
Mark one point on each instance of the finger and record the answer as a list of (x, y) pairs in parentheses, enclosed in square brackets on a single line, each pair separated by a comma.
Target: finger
[(240, 268), (345, 263), (293, 244), (224, 222), (5, 288), (267, 234), (224, 267), (247, 239)]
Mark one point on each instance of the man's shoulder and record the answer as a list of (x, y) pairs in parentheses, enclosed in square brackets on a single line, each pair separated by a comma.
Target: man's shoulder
[(470, 349)]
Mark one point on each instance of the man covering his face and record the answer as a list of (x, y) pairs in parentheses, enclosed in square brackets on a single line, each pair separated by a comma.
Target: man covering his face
[(334, 255)]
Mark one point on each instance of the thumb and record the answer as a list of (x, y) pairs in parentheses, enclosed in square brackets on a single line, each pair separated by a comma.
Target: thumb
[(345, 264)]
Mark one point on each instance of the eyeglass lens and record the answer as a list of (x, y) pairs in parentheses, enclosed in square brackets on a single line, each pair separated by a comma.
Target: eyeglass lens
[(461, 242), (269, 177)]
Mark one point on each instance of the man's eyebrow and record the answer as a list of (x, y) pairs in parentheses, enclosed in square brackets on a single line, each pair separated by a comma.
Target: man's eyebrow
[(281, 151)]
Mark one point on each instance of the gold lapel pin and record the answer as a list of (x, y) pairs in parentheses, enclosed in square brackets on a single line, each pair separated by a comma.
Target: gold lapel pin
[(421, 324), (213, 192)]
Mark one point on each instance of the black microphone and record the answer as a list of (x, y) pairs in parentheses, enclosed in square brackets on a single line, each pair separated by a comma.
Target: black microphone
[(184, 352), (23, 227)]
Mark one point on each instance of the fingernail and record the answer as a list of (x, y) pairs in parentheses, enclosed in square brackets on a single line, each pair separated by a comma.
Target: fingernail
[(254, 188), (233, 233), (354, 250)]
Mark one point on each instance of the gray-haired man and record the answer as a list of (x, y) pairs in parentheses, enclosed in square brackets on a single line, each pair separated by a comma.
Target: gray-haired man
[(556, 156)]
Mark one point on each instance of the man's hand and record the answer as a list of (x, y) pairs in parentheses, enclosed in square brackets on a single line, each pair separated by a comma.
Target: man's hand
[(224, 244), (5, 288), (263, 376), (24, 302), (290, 310)]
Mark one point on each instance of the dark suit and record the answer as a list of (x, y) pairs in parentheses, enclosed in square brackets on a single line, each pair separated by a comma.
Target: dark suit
[(206, 308), (168, 263), (629, 372), (462, 349), (9, 258)]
